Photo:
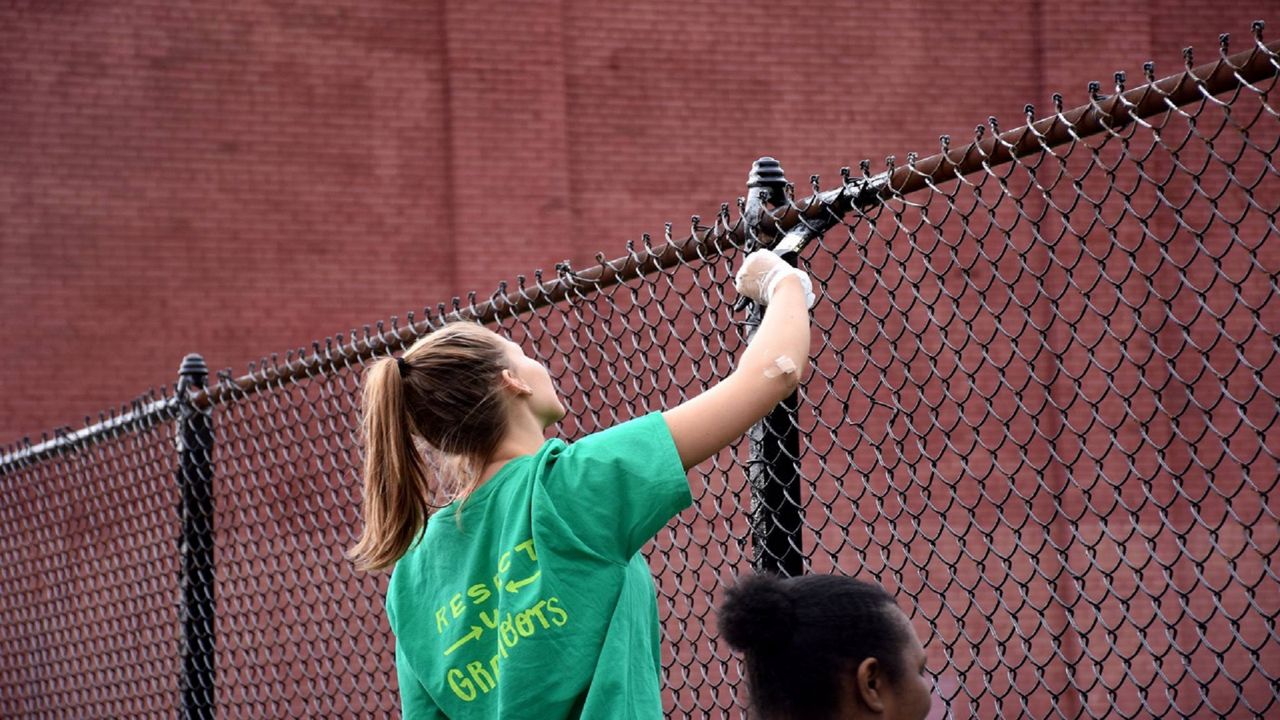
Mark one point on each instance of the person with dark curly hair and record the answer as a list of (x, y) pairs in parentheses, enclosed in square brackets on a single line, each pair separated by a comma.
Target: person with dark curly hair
[(823, 647)]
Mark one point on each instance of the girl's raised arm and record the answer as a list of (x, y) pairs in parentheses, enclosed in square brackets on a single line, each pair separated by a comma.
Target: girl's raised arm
[(769, 369)]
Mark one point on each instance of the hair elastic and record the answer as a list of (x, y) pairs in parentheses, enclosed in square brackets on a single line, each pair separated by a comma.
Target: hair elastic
[(403, 366)]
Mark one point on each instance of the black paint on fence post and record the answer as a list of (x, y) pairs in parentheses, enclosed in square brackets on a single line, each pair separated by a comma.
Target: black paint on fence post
[(774, 474), (195, 546), (773, 469)]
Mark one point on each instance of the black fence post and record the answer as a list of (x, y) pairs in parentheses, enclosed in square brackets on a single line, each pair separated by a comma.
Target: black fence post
[(774, 473), (773, 468), (195, 546)]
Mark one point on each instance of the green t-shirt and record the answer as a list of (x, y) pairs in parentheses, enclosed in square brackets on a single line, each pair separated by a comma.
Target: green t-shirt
[(531, 598)]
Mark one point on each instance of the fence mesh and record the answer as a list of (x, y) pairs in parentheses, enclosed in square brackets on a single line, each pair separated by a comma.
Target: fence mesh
[(1042, 412), (90, 603), (1045, 410)]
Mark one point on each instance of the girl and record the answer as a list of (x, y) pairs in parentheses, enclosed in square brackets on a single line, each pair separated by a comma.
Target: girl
[(823, 647), (527, 595)]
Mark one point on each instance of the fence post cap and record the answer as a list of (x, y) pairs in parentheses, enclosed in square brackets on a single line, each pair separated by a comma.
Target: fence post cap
[(766, 172), (193, 368)]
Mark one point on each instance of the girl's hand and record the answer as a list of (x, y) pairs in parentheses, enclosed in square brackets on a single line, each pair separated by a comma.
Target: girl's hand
[(761, 272)]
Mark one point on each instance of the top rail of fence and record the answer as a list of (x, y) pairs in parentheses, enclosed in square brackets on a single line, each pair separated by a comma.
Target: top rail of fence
[(140, 416)]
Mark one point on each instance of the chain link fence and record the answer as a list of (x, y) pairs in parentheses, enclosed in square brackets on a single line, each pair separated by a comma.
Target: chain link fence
[(1042, 412)]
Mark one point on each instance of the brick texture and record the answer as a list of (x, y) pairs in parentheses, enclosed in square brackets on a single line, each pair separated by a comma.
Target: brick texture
[(243, 178)]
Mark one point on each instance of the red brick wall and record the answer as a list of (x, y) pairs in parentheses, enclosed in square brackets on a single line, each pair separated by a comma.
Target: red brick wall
[(241, 178), (245, 178)]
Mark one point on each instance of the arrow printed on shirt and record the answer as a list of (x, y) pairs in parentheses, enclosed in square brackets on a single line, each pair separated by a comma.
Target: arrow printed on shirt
[(515, 585), (475, 633)]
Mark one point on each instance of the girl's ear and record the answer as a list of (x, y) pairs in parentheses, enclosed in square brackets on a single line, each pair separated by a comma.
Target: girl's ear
[(869, 679), (515, 384)]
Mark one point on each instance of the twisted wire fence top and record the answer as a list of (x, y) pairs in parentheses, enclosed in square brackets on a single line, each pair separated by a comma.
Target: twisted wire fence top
[(1042, 412)]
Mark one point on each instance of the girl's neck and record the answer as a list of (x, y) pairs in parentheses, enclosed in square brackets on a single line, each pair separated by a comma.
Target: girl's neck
[(524, 436)]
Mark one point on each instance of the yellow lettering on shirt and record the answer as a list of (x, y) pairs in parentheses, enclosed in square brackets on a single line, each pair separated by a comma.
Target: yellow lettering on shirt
[(559, 616), (514, 583), (536, 611), (507, 632), (476, 632), (460, 685), (513, 586), (479, 594), (526, 547), (482, 678), (472, 679), (524, 625)]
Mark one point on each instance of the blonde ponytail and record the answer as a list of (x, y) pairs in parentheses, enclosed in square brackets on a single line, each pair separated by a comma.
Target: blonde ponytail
[(446, 391), (396, 485)]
